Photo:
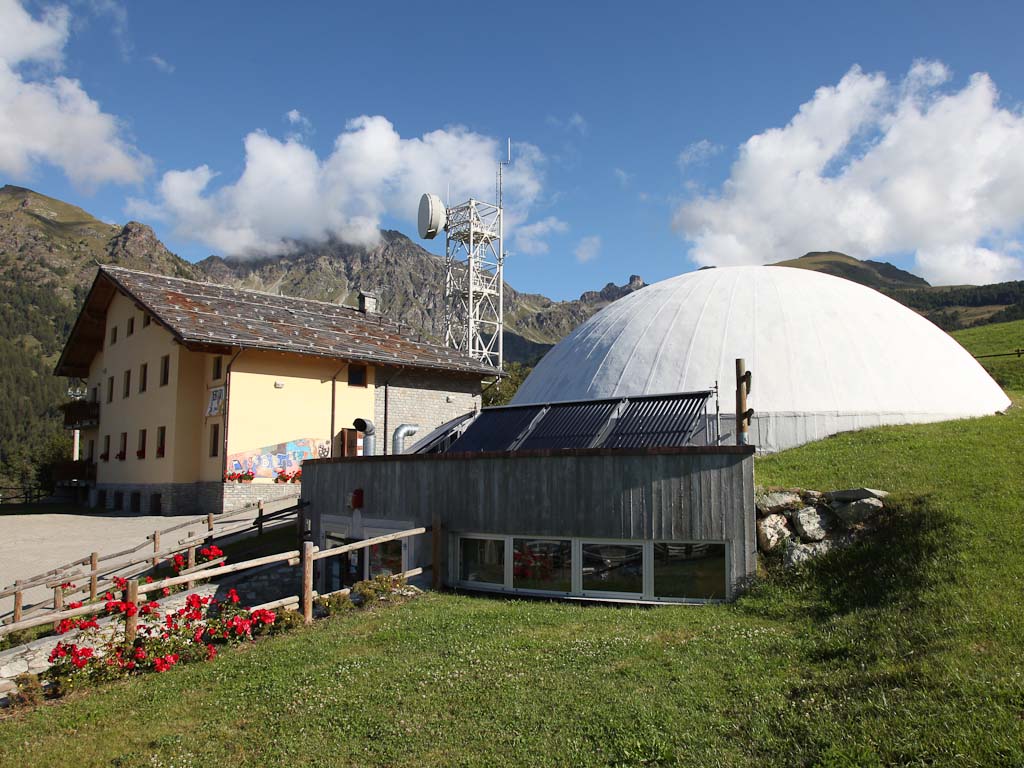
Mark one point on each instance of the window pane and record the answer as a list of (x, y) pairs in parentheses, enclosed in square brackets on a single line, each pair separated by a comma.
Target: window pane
[(695, 571), (482, 560), (613, 568), (385, 558), (542, 564)]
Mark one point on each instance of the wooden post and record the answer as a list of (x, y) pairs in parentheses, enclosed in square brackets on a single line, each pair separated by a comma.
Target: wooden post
[(131, 619), (436, 574), (307, 581), (209, 527), (19, 598), (94, 564), (58, 601), (743, 414), (191, 559), (259, 517), (156, 546)]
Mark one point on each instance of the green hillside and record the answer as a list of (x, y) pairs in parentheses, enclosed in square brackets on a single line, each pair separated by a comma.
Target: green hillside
[(875, 274), (997, 339)]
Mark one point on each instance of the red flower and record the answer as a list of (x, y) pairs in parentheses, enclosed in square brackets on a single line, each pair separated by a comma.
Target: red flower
[(233, 595), (149, 579), (75, 604), (210, 652), (263, 615), (166, 591), (140, 653)]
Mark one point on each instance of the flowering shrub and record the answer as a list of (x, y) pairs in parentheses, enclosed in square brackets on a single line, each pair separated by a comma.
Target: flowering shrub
[(239, 477), (283, 477)]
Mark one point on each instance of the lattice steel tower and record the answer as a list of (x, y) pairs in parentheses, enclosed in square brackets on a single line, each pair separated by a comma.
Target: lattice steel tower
[(474, 261)]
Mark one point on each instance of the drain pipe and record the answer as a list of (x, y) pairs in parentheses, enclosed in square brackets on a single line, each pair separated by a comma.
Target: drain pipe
[(398, 440), (369, 441)]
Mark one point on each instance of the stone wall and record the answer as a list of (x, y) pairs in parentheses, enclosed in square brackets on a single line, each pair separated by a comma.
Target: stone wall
[(420, 397), (238, 495), (188, 498)]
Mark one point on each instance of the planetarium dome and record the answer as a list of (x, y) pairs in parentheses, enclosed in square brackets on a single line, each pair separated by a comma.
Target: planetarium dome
[(828, 355)]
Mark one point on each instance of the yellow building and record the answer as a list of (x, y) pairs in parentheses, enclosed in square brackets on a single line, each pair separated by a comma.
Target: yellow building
[(193, 387)]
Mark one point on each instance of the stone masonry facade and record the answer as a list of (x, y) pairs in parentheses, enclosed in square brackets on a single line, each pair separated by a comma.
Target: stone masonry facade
[(185, 498), (423, 398)]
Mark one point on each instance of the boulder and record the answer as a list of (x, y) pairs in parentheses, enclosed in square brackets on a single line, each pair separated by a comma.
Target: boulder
[(797, 553), (855, 494), (811, 524), (771, 531), (856, 512), (773, 502)]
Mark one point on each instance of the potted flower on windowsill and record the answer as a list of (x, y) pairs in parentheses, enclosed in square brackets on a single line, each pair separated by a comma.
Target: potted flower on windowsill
[(104, 457), (120, 456), (282, 477), (246, 477), (296, 476), (159, 453), (140, 454)]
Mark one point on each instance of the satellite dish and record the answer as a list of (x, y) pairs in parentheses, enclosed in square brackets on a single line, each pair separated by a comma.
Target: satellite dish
[(433, 216)]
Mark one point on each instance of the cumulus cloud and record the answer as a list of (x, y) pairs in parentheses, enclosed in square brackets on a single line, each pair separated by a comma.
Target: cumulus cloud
[(588, 249), (875, 168), (50, 118), (697, 153), (574, 122), (286, 192), (164, 66), (532, 238)]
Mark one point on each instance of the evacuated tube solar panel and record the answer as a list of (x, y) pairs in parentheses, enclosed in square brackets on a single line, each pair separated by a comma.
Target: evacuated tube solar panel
[(569, 425), (656, 422), (495, 430)]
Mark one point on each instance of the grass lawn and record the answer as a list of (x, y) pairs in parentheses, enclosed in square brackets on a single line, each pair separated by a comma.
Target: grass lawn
[(908, 650)]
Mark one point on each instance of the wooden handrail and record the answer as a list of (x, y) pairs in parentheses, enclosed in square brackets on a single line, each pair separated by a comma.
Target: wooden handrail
[(243, 566), (368, 543)]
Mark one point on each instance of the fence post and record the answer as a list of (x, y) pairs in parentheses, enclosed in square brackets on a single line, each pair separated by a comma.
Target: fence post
[(209, 527), (19, 598), (156, 546), (307, 581), (94, 564), (131, 618), (191, 560), (58, 601), (259, 517), (436, 575)]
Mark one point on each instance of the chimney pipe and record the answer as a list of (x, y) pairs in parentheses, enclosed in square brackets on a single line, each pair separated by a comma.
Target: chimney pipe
[(398, 440), (369, 441), (368, 303)]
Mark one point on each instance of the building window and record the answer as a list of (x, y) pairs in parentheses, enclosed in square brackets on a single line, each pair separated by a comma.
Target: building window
[(127, 384), (94, 394), (110, 389), (140, 453), (357, 375), (121, 454), (385, 559), (113, 335), (118, 500), (161, 441), (145, 319), (135, 502), (214, 440), (105, 456), (482, 561), (131, 327), (143, 377), (165, 370), (613, 567), (544, 564), (693, 570), (101, 499), (217, 365), (156, 504)]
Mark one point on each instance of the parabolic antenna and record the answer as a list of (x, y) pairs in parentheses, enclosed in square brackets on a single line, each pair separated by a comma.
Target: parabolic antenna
[(433, 216)]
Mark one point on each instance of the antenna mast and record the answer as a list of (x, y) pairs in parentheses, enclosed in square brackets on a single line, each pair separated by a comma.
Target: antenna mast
[(474, 285)]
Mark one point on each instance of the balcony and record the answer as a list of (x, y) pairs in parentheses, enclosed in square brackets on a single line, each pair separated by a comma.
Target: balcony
[(81, 414), (74, 472)]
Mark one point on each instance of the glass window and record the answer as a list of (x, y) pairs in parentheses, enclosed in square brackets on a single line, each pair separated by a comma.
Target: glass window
[(214, 440), (124, 447), (127, 384), (110, 389), (217, 367), (140, 452), (145, 320), (113, 334), (161, 441), (165, 370), (695, 571), (613, 567), (542, 564), (143, 377), (105, 456), (131, 326), (482, 560), (385, 558)]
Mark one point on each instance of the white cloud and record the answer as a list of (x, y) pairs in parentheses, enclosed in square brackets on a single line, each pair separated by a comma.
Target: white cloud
[(164, 66), (287, 193), (623, 177), (532, 238), (118, 13), (588, 249), (51, 119), (300, 123), (574, 122), (697, 153), (875, 168)]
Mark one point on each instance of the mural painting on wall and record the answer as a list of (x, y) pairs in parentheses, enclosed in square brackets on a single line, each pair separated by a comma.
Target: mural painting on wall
[(283, 457)]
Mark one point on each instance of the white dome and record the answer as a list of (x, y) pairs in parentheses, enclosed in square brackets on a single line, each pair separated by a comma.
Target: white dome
[(827, 355)]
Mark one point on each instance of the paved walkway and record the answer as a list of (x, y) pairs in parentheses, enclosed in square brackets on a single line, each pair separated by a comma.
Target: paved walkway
[(34, 543)]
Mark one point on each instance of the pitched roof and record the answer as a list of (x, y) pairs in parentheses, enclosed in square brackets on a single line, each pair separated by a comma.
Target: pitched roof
[(207, 316)]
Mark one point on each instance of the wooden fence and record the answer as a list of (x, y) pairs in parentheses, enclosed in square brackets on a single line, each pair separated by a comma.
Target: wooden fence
[(304, 558), (56, 578)]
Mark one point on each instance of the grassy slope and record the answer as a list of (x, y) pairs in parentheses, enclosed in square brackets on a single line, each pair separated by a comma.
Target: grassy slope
[(995, 339), (906, 651)]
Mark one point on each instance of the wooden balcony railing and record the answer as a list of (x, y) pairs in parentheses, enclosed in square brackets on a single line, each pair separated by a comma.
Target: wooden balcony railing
[(79, 414)]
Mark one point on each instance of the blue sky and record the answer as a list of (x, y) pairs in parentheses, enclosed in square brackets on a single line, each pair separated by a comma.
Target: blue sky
[(643, 132)]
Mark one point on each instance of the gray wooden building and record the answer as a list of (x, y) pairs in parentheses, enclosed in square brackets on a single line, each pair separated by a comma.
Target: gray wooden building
[(671, 524)]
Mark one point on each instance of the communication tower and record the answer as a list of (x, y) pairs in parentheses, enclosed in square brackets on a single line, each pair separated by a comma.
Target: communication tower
[(474, 262)]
